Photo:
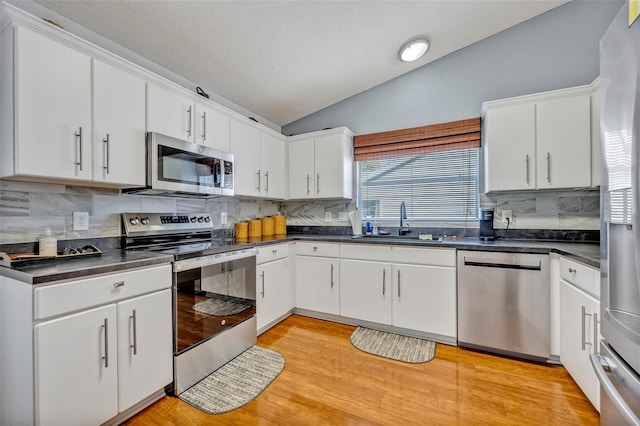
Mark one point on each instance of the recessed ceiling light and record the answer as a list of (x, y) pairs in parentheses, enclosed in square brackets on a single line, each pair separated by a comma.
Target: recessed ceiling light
[(413, 50)]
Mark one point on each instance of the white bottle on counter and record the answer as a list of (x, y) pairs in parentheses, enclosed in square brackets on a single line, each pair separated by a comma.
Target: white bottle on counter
[(48, 244)]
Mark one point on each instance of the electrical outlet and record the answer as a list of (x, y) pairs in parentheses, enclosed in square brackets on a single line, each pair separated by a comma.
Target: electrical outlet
[(343, 217), (507, 215), (328, 217), (80, 221), (223, 218)]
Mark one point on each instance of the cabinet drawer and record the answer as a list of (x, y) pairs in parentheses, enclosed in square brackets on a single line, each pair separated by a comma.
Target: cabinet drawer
[(365, 252), (580, 275), (318, 249), (57, 299), (274, 252), (425, 256)]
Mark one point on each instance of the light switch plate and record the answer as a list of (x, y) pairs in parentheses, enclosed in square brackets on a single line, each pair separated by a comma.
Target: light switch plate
[(80, 221), (328, 217), (223, 218)]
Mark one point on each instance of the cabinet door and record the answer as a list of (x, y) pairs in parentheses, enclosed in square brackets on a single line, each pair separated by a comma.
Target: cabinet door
[(329, 167), (273, 166), (75, 383), (564, 142), (245, 146), (578, 338), (424, 299), (118, 126), (509, 136), (274, 293), (317, 284), (145, 348), (52, 108), (212, 128), (301, 169), (170, 113), (365, 290)]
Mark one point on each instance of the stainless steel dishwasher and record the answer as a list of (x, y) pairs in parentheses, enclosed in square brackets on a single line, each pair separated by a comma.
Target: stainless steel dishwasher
[(503, 303)]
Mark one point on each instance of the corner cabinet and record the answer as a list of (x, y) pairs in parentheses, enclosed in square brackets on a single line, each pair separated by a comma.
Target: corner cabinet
[(321, 165), (540, 141), (579, 331), (101, 348)]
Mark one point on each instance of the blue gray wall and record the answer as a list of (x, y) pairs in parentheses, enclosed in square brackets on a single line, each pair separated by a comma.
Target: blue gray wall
[(552, 51)]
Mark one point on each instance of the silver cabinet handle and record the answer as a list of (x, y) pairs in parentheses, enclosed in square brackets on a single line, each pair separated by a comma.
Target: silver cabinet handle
[(572, 271), (189, 128), (398, 283), (118, 284), (79, 136), (595, 334), (598, 363), (266, 183), (262, 277), (526, 168), (258, 174), (384, 279), (274, 251), (308, 188), (315, 249), (204, 125), (584, 330), (135, 333), (106, 343), (318, 184), (332, 275), (106, 154), (548, 167)]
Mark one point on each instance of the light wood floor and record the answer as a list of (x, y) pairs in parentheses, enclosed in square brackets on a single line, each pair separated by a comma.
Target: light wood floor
[(326, 381)]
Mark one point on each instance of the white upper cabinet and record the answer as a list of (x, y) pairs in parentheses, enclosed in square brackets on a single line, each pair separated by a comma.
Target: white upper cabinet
[(321, 165), (540, 141), (170, 113), (273, 166), (52, 108), (118, 126), (212, 127)]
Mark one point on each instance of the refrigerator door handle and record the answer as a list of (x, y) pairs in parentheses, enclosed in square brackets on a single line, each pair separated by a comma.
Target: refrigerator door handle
[(598, 362)]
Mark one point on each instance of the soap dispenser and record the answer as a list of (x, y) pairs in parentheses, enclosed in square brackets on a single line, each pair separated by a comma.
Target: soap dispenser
[(48, 244)]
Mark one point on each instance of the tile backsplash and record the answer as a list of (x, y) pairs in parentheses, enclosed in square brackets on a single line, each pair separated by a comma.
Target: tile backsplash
[(27, 209)]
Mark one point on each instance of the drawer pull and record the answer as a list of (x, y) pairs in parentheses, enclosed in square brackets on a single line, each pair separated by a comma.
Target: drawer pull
[(315, 249), (275, 251), (572, 271), (118, 284)]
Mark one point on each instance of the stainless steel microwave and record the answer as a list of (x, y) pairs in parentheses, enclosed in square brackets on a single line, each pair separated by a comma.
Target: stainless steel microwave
[(181, 168)]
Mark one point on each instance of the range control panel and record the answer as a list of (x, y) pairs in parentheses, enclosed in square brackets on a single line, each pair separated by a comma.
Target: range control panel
[(165, 223)]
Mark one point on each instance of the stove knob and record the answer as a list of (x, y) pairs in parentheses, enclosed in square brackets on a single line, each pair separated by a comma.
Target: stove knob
[(144, 221), (200, 219), (193, 219), (207, 219), (134, 221)]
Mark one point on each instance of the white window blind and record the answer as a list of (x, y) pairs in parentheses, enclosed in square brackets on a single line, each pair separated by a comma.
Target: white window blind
[(434, 186)]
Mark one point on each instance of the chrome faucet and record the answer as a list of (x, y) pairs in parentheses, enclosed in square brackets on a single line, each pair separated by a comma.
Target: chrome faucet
[(404, 229)]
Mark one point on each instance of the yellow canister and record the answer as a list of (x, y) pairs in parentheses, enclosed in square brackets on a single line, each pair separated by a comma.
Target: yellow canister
[(280, 225), (242, 230), (255, 228), (268, 226)]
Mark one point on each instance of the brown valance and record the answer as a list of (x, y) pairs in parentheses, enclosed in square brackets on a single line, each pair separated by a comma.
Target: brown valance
[(418, 140)]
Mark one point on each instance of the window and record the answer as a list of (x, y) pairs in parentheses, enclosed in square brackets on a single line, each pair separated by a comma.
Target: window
[(434, 186)]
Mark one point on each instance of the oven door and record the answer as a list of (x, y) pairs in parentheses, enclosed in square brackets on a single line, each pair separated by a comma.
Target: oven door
[(175, 165), (212, 294)]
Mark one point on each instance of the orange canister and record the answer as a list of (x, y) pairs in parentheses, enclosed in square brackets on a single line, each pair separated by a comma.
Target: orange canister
[(268, 226), (242, 230), (255, 228), (280, 225)]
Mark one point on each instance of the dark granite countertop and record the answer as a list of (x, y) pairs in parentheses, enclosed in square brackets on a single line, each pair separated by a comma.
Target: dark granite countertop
[(107, 262), (118, 260)]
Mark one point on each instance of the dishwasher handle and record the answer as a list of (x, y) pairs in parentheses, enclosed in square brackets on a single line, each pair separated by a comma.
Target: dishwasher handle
[(537, 267)]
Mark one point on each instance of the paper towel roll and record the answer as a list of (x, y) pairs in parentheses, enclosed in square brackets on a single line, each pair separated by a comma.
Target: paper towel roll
[(356, 222)]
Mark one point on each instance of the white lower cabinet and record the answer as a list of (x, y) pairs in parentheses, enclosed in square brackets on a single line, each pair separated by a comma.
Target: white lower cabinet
[(318, 277), (579, 338), (365, 290), (101, 348), (274, 292)]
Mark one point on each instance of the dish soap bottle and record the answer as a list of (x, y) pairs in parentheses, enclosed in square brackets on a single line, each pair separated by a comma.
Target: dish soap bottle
[(47, 244)]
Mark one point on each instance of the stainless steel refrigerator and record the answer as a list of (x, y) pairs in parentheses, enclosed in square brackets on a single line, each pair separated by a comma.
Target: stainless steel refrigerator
[(618, 363)]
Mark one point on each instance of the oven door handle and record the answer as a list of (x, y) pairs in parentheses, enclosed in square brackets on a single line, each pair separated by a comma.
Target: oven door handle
[(199, 262)]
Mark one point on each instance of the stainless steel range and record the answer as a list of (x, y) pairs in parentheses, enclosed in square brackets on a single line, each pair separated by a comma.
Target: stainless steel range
[(214, 290)]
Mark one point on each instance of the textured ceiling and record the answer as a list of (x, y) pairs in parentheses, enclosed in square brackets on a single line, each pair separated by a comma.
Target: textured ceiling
[(284, 60)]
